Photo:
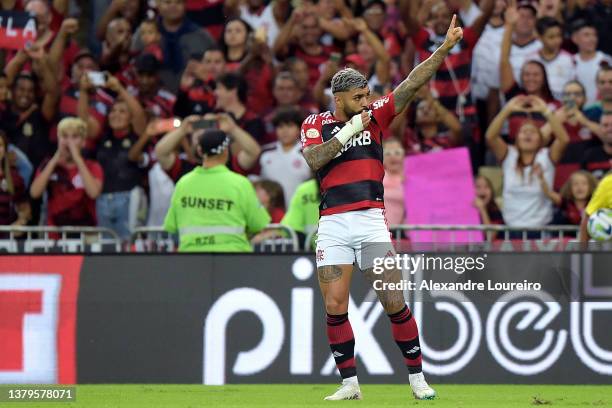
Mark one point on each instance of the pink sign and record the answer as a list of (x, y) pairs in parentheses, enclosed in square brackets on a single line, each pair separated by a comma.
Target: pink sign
[(439, 189)]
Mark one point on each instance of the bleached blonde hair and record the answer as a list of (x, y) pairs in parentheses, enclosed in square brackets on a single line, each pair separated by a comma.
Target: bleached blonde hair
[(72, 124)]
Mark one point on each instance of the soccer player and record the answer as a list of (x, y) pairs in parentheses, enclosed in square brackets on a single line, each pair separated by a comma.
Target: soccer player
[(602, 198), (344, 148)]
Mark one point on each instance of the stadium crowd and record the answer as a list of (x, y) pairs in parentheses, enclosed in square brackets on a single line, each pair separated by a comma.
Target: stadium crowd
[(95, 113)]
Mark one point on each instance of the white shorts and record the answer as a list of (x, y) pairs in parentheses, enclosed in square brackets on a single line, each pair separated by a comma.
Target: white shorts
[(341, 238)]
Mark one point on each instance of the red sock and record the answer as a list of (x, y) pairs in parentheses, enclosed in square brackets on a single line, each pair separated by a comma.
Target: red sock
[(406, 335), (342, 344)]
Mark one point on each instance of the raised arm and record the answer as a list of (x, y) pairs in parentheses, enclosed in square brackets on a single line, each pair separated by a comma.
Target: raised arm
[(139, 118), (70, 26), (486, 6), (383, 59), (497, 145), (506, 75), (335, 27), (42, 67), (13, 68), (92, 185), (61, 6), (165, 149), (406, 91), (408, 11), (93, 127), (558, 146), (449, 120), (40, 182), (114, 10), (285, 36), (249, 148)]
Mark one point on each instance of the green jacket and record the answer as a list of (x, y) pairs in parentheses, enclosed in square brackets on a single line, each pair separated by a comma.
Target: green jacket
[(213, 210), (303, 212)]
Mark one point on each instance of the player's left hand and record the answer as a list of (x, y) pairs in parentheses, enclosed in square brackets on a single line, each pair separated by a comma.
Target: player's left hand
[(453, 35)]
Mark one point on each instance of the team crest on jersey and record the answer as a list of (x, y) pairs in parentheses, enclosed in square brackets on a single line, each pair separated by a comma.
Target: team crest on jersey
[(312, 133), (320, 255)]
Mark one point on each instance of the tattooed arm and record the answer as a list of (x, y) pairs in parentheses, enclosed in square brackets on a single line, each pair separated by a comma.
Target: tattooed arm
[(318, 156), (406, 91)]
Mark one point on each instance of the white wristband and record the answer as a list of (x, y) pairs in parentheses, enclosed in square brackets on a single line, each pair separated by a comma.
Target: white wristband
[(352, 127)]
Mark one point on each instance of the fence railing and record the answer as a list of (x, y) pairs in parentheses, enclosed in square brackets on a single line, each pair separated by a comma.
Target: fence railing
[(37, 239), (275, 238), (432, 237), (282, 239)]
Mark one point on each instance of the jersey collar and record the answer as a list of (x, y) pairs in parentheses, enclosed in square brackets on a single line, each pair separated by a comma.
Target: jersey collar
[(220, 168)]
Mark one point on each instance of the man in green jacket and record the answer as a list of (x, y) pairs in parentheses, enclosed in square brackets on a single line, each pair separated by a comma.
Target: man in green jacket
[(214, 209), (303, 213)]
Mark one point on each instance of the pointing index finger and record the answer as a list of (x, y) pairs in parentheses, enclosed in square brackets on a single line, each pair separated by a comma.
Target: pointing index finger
[(452, 24)]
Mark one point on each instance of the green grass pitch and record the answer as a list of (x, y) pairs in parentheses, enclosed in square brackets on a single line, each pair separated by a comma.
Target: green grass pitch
[(456, 396)]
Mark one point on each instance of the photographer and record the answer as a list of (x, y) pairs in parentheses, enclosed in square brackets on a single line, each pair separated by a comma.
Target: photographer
[(90, 102), (243, 152), (214, 209), (121, 197)]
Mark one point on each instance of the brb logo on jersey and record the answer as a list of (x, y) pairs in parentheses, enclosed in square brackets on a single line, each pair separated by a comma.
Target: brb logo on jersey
[(362, 139)]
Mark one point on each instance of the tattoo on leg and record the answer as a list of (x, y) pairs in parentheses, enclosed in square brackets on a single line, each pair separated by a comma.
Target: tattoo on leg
[(329, 273), (389, 299)]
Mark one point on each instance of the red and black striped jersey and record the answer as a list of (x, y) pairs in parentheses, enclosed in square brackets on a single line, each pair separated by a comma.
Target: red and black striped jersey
[(353, 179), (208, 14), (453, 77)]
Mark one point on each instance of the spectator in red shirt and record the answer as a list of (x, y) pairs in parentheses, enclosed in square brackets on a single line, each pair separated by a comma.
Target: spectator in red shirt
[(151, 39), (14, 204), (301, 37), (84, 100), (72, 183), (573, 198), (157, 101), (452, 81), (249, 56), (46, 23), (271, 196)]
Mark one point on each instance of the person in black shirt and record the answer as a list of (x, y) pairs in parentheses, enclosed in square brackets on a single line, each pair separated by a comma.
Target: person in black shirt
[(117, 206), (33, 105), (14, 204), (197, 91), (598, 160)]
